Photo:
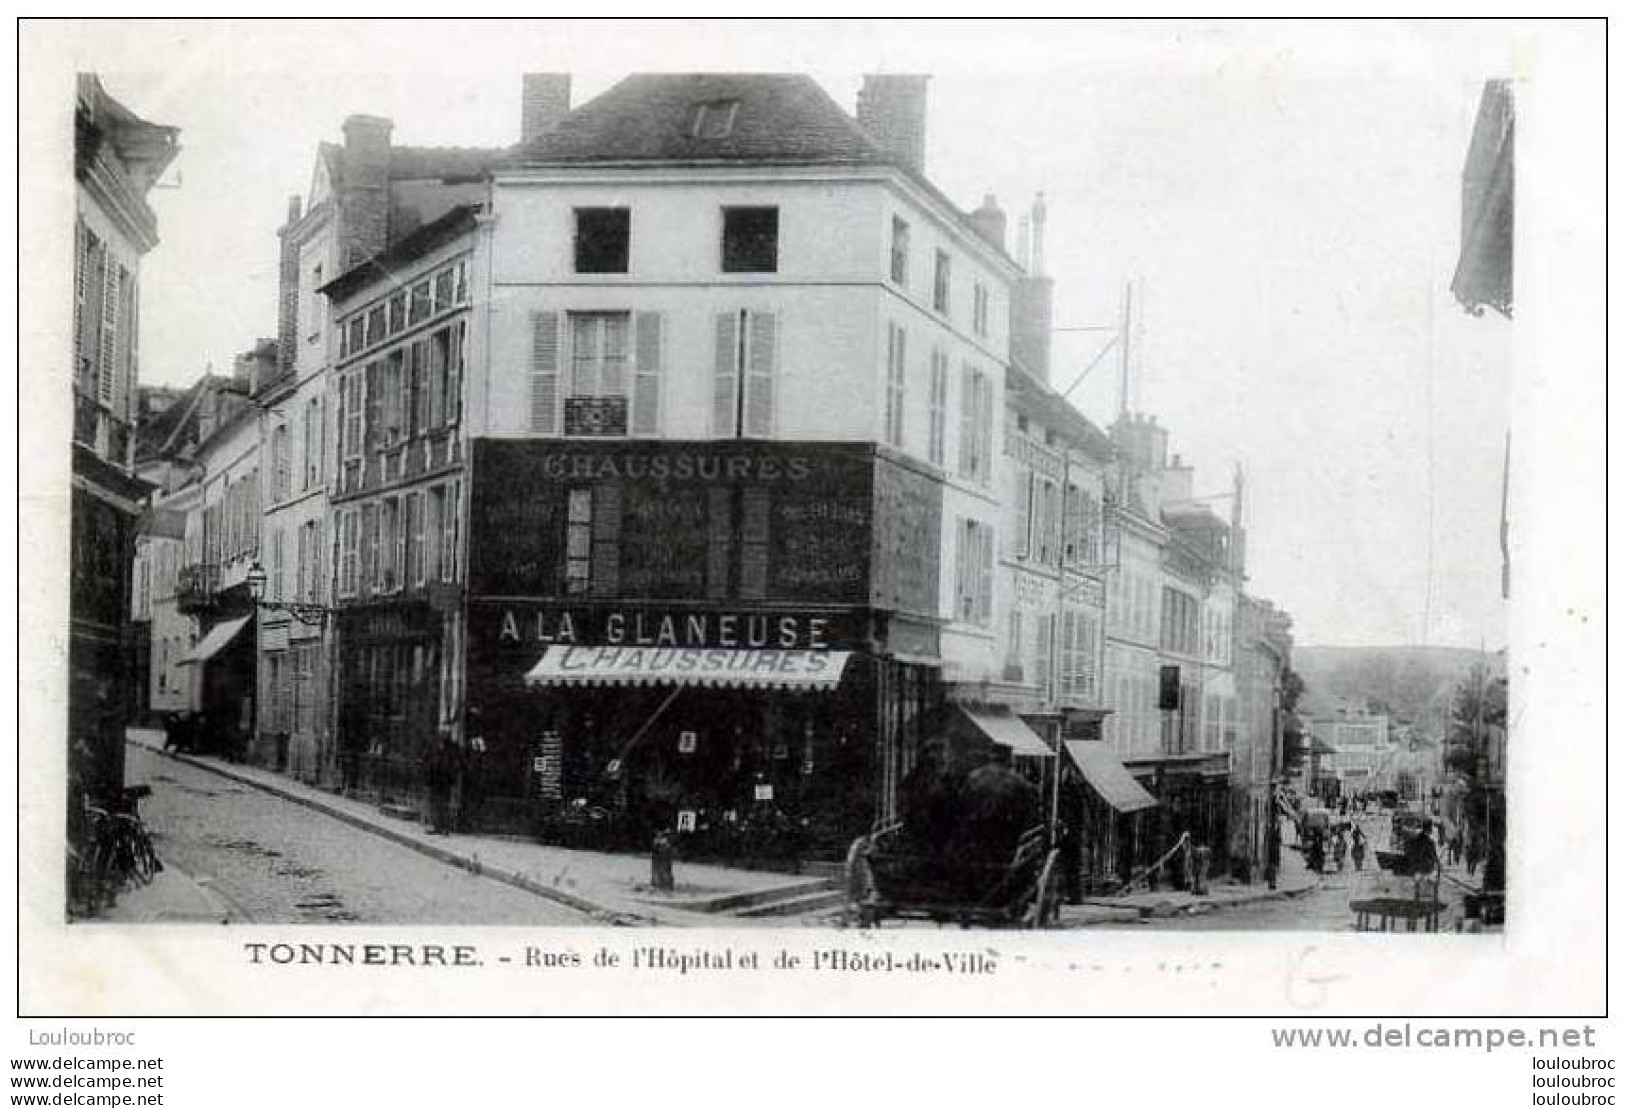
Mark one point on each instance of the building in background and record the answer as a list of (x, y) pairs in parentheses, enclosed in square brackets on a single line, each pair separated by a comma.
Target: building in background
[(1484, 268), (1363, 752), (1263, 660), (118, 157)]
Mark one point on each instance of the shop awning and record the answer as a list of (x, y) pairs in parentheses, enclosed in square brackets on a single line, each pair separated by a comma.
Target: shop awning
[(215, 641), (703, 666), (1007, 729), (1107, 776)]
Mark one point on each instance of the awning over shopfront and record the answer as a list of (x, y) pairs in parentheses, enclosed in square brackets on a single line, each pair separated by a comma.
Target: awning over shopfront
[(794, 670), (1007, 729), (215, 641), (1107, 776)]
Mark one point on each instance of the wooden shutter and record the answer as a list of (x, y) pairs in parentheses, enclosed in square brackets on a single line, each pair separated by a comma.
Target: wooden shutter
[(760, 372), (544, 373), (606, 540), (106, 359), (984, 584), (961, 568), (646, 385), (967, 420), (725, 389)]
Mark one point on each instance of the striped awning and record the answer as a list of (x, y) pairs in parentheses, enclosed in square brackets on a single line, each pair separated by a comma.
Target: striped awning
[(1007, 729), (1107, 776), (215, 641), (794, 670)]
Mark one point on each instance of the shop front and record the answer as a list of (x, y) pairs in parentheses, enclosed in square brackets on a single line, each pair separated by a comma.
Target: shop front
[(723, 642), (1193, 799)]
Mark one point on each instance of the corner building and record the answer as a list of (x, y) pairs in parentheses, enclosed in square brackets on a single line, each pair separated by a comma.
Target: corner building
[(736, 419)]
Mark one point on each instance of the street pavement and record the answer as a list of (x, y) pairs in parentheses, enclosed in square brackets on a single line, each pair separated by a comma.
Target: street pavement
[(244, 855), (1326, 906)]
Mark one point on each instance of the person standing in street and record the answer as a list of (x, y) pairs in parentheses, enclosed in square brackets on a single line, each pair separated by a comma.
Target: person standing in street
[(1357, 847)]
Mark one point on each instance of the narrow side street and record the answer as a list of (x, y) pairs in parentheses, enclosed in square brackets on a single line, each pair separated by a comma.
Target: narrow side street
[(271, 861)]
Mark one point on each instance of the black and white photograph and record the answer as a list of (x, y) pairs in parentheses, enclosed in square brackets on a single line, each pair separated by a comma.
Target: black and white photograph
[(852, 478)]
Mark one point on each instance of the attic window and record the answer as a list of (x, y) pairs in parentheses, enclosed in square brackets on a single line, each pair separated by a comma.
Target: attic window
[(714, 119)]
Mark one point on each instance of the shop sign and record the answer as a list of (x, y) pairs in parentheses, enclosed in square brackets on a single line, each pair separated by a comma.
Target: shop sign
[(526, 625)]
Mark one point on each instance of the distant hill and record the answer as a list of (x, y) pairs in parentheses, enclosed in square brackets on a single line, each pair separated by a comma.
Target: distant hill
[(1412, 684)]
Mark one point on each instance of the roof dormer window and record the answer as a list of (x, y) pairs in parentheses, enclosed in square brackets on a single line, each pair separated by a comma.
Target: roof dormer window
[(714, 119)]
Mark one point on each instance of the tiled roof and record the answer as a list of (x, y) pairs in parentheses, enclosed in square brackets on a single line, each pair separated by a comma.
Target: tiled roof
[(441, 162), (1039, 400), (420, 242), (649, 117)]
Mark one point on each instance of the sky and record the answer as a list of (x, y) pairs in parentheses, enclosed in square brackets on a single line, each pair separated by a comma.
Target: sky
[(1284, 198)]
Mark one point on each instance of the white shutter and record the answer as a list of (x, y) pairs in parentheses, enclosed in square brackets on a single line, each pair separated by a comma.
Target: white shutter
[(544, 373), (725, 394), (984, 584), (961, 567), (106, 362), (760, 373), (967, 421), (646, 387)]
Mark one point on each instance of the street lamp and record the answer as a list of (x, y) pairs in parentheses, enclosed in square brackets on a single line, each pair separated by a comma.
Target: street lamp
[(311, 614)]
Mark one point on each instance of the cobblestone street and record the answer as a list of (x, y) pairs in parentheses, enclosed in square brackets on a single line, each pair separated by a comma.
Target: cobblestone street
[(276, 862)]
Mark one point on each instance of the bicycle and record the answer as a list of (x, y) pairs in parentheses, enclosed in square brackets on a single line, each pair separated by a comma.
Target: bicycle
[(122, 853)]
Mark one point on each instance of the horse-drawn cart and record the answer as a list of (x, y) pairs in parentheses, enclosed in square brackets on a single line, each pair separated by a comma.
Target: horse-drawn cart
[(889, 880)]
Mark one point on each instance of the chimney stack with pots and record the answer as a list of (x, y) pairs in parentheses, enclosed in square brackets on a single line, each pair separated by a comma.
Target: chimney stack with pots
[(989, 221), (287, 281), (544, 100), (1032, 301), (891, 108), (364, 189)]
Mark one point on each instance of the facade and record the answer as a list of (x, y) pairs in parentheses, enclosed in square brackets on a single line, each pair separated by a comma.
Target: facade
[(1170, 649), (117, 158), (402, 335), (1263, 656), (747, 366), (1362, 756)]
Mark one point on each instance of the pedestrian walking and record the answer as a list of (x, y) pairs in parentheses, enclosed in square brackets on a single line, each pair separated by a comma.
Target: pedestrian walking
[(472, 792), (1340, 848), (1357, 847), (1272, 853)]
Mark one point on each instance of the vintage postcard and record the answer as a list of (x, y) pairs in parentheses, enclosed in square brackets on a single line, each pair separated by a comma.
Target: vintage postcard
[(836, 515)]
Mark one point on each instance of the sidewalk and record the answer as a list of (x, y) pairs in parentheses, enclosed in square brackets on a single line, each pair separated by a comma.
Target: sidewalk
[(611, 888), (1295, 881), (171, 897)]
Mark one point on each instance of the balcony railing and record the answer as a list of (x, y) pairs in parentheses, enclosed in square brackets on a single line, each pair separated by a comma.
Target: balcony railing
[(197, 587)]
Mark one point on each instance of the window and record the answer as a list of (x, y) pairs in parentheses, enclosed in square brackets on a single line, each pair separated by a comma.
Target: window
[(939, 406), (973, 572), (940, 281), (273, 578), (444, 284), (1179, 621), (714, 119), (1078, 632), (315, 442), (896, 373), (397, 313), (975, 425), (578, 542), (450, 521), (419, 307), (313, 305), (375, 326), (1046, 657), (1082, 527), (603, 239), (1021, 495), (281, 468), (598, 354), (899, 252), (1046, 522), (750, 240), (979, 309), (745, 378)]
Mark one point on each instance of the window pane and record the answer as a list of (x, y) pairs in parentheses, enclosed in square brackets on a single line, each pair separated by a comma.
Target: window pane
[(603, 239), (750, 240)]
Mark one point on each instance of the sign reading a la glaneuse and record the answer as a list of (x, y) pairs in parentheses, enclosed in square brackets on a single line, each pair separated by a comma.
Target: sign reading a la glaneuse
[(763, 523), (524, 626)]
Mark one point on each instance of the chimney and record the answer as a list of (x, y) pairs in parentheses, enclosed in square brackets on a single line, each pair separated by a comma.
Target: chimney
[(544, 100), (891, 108), (1024, 242), (1178, 482), (364, 189), (287, 306), (989, 221), (1032, 315), (1039, 213)]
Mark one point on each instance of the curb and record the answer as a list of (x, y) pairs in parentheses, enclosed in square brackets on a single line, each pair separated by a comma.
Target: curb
[(599, 912), (1133, 913)]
